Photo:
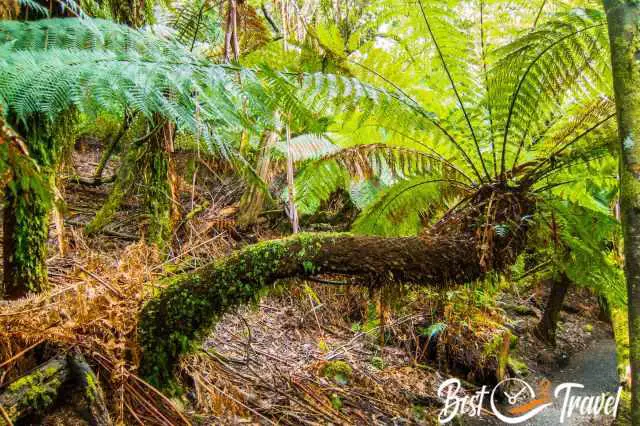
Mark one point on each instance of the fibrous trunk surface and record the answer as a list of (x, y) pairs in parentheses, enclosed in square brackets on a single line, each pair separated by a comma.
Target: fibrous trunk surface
[(459, 249)]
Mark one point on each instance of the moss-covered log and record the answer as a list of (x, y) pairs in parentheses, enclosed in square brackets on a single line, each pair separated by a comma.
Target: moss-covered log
[(454, 251), (32, 394), (94, 407)]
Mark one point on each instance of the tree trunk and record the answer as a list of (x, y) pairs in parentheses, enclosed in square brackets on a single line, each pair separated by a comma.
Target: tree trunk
[(111, 146), (125, 178), (252, 201), (624, 34), (25, 232), (546, 328), (448, 253), (28, 201), (160, 186)]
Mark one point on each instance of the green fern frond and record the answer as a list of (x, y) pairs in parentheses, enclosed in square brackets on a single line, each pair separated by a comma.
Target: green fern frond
[(316, 184), (307, 147), (194, 23), (539, 70), (588, 236), (320, 178), (405, 208)]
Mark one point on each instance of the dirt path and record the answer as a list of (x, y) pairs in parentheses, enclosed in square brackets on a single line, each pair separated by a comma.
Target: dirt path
[(595, 368)]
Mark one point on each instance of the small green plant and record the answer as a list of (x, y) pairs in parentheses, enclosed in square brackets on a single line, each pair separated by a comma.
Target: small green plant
[(336, 401), (339, 371), (518, 367), (322, 345), (419, 413), (377, 362)]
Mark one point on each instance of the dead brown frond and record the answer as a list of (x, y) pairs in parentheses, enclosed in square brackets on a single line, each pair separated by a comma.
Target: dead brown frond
[(96, 313)]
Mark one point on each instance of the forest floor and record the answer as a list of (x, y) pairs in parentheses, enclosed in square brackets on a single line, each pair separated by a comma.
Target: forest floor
[(309, 353)]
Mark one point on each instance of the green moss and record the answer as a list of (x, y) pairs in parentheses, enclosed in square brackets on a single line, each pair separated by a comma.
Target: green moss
[(190, 304), (39, 389), (498, 348), (336, 401), (517, 366), (619, 321), (377, 362), (92, 388), (120, 189), (29, 201), (339, 371)]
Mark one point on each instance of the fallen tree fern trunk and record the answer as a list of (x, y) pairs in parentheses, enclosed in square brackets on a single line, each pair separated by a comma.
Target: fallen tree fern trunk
[(459, 249)]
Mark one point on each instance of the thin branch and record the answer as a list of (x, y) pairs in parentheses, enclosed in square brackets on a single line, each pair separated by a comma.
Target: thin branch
[(195, 33), (269, 19), (486, 83), (535, 23)]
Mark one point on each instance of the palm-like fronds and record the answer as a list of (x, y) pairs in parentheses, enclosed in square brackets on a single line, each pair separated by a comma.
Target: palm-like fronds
[(406, 207), (195, 22), (383, 164), (587, 235), (534, 104), (65, 33), (539, 72)]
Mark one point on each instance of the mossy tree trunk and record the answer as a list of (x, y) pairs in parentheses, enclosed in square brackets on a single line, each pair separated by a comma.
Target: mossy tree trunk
[(448, 253), (160, 183), (125, 177), (624, 34), (148, 161), (26, 230), (28, 203), (546, 328), (192, 302)]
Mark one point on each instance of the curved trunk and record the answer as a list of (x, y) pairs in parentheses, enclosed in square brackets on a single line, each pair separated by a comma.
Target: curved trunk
[(459, 249), (192, 302)]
